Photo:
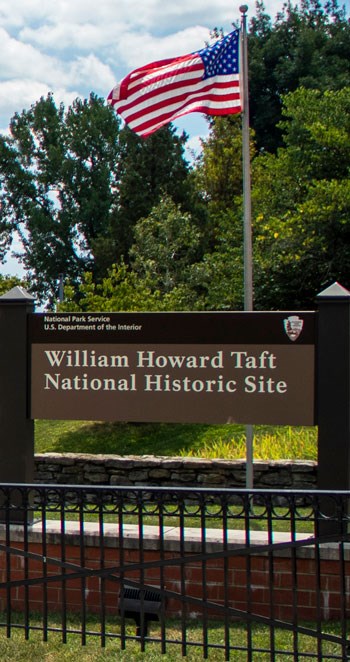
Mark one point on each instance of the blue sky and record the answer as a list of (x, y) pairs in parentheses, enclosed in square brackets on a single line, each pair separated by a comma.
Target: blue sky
[(73, 47)]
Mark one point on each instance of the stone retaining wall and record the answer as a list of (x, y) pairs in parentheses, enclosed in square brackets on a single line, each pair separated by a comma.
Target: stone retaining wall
[(79, 469)]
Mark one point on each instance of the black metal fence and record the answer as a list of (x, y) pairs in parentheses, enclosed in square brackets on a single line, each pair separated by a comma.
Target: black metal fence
[(230, 574)]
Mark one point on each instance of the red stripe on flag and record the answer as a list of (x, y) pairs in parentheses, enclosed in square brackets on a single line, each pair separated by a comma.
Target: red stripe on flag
[(197, 105), (202, 96), (173, 93)]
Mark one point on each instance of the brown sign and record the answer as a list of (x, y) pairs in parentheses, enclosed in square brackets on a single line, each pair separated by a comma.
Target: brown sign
[(197, 368)]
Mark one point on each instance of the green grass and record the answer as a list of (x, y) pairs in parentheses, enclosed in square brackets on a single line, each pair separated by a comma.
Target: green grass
[(236, 521), (16, 649), (207, 441)]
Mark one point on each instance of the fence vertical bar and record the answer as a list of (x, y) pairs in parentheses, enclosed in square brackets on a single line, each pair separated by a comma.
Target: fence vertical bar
[(344, 508), (44, 564), (295, 578), (82, 565), (248, 509), (142, 628), (183, 578), (269, 506), (204, 578), (224, 506), (318, 581), (26, 564), (8, 564), (121, 563), (63, 559), (102, 579), (161, 573)]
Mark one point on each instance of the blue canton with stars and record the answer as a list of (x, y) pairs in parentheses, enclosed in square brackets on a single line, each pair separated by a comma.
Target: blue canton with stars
[(221, 59)]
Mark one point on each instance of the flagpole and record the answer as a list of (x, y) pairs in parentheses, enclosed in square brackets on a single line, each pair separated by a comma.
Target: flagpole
[(248, 264), (247, 214)]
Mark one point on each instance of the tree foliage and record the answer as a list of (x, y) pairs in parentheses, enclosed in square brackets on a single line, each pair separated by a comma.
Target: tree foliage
[(301, 205), (167, 243), (73, 185), (302, 202), (308, 45), (119, 290), (57, 173), (8, 282)]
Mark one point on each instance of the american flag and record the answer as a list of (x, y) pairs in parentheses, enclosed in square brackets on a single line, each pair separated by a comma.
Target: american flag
[(206, 81)]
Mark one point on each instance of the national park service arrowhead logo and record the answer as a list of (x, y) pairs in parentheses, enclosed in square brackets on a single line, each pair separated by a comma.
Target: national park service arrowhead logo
[(293, 327)]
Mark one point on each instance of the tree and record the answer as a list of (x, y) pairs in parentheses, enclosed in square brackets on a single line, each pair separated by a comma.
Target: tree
[(167, 271), (218, 176), (301, 202), (119, 290), (73, 185), (308, 46), (219, 168), (148, 169), (8, 282), (57, 173), (145, 170), (166, 244)]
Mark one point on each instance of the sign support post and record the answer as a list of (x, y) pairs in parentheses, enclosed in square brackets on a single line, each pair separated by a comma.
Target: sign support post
[(333, 393), (17, 429), (333, 400)]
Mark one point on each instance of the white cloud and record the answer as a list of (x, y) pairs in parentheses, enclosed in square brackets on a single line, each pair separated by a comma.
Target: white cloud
[(62, 36), (18, 58), (133, 50), (15, 13), (72, 47), (90, 72), (153, 15), (27, 71), (19, 94)]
